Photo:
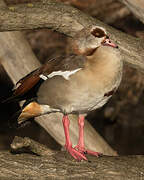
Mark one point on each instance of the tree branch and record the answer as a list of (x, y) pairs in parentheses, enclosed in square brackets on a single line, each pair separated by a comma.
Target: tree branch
[(20, 143), (136, 7), (60, 166), (2, 4), (69, 21)]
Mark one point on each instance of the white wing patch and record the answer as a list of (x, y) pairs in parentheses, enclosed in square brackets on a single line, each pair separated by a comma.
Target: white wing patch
[(43, 77), (65, 74)]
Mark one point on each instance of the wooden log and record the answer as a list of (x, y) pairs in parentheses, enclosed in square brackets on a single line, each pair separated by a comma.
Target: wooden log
[(18, 59), (60, 166)]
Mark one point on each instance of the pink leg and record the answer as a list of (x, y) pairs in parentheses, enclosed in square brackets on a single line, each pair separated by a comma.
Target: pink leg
[(68, 145), (81, 133), (80, 146)]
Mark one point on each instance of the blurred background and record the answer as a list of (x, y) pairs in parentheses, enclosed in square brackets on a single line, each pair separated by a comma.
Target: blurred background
[(121, 121)]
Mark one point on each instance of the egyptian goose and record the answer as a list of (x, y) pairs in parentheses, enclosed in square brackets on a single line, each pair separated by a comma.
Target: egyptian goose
[(76, 84)]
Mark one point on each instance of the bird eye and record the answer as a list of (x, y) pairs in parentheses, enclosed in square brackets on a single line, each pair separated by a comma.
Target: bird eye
[(97, 32)]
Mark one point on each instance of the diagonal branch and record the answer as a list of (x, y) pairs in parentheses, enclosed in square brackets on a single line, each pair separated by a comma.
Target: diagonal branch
[(136, 7)]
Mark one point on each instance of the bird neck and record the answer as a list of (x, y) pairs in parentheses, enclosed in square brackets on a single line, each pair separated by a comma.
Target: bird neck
[(104, 56), (106, 63)]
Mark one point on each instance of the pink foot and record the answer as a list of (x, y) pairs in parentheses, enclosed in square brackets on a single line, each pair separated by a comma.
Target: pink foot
[(76, 154), (85, 151)]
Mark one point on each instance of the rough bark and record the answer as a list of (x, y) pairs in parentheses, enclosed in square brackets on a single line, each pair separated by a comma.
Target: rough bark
[(2, 4), (136, 7), (18, 60), (60, 166), (107, 10), (69, 21), (19, 144)]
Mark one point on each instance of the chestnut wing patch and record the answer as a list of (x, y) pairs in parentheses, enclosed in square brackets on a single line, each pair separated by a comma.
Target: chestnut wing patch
[(29, 81), (26, 85)]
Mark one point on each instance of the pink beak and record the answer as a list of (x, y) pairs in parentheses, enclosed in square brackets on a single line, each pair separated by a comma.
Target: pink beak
[(107, 42)]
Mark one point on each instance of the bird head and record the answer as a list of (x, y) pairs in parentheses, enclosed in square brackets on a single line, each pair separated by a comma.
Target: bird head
[(86, 41)]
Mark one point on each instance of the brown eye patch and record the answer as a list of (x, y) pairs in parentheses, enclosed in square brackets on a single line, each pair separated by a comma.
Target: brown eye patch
[(97, 32)]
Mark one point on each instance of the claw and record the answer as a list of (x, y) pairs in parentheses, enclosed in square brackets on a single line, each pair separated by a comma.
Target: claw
[(84, 151), (76, 154)]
